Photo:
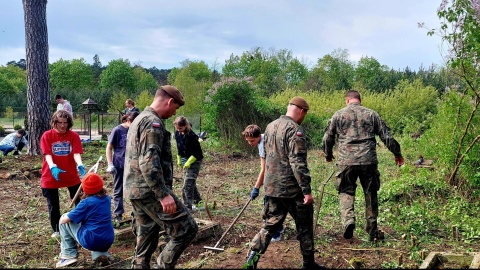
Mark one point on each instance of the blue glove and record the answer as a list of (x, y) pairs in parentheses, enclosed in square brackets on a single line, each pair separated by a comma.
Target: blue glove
[(56, 171), (254, 193), (81, 170)]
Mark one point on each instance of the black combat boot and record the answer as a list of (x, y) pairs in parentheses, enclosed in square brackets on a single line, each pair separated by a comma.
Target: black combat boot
[(377, 235), (252, 260), (309, 263), (348, 233)]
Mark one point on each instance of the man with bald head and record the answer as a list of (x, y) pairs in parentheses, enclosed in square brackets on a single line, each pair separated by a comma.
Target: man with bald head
[(287, 184), (148, 180)]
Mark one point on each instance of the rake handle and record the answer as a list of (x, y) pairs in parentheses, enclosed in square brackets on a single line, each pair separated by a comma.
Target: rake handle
[(233, 222), (94, 168)]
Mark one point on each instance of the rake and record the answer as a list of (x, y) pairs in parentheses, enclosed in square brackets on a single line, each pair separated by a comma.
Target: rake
[(228, 229)]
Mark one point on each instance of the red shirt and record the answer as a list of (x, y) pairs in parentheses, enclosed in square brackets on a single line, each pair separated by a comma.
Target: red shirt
[(61, 147)]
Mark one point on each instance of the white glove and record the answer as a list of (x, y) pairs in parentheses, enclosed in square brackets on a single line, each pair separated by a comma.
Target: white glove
[(111, 169)]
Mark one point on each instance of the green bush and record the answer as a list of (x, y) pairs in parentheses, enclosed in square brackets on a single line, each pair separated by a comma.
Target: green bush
[(17, 127), (231, 105), (2, 130)]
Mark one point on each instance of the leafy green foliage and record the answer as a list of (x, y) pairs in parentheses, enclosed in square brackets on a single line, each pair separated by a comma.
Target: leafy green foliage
[(144, 80), (335, 71), (72, 75), (408, 102), (118, 76), (192, 80), (12, 80), (271, 70), (143, 100), (117, 102), (233, 104)]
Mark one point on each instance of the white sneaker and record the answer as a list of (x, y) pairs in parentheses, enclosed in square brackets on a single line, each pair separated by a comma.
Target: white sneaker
[(65, 262), (276, 239), (55, 235)]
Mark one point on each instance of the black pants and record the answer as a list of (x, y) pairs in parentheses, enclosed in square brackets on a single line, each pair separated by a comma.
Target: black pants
[(20, 146), (53, 201)]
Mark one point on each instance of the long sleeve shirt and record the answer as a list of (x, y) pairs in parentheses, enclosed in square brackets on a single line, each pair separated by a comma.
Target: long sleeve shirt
[(355, 128), (12, 140)]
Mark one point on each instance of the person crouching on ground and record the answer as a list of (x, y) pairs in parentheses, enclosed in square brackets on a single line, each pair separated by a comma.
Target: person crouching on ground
[(89, 224), (13, 142)]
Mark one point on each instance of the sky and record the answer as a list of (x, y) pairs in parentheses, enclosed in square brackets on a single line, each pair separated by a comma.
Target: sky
[(165, 33)]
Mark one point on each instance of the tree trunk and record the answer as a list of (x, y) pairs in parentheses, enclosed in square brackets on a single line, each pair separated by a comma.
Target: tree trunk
[(38, 89)]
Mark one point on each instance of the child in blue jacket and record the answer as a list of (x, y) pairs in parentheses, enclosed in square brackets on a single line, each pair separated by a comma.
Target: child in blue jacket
[(89, 224)]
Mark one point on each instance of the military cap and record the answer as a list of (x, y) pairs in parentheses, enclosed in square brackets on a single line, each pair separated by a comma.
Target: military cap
[(299, 102), (174, 93)]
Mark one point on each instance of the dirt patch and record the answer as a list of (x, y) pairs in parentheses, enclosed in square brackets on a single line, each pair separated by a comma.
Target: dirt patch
[(225, 181)]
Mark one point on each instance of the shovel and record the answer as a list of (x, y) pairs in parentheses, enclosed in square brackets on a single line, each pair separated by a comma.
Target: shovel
[(228, 229), (93, 169)]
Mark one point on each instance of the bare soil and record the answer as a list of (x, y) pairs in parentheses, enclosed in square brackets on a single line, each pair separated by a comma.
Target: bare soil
[(225, 182)]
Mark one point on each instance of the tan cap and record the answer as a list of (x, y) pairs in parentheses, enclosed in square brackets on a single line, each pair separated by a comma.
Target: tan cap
[(174, 93), (299, 102)]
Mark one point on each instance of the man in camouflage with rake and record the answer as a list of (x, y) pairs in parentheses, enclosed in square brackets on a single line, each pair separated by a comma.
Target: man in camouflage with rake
[(355, 128)]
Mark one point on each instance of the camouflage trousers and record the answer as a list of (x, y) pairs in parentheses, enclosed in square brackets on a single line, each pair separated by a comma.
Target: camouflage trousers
[(190, 192), (148, 220), (274, 213), (346, 186)]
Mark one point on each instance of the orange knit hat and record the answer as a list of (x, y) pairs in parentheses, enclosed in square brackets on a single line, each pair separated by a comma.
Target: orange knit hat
[(92, 183)]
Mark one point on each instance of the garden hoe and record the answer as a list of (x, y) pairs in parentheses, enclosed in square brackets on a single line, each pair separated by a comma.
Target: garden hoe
[(93, 169), (228, 229)]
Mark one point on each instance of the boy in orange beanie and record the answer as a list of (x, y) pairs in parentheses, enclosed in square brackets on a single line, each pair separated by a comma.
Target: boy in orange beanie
[(89, 224)]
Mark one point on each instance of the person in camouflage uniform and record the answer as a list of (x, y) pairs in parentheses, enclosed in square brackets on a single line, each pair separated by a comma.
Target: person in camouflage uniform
[(148, 178), (287, 184), (355, 128)]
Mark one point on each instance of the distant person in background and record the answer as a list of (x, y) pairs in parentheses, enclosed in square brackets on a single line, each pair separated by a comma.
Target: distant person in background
[(117, 141), (190, 156), (253, 135), (13, 142), (62, 163), (63, 104), (130, 106), (89, 224)]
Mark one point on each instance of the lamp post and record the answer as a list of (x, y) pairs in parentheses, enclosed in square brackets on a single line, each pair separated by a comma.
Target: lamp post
[(90, 105)]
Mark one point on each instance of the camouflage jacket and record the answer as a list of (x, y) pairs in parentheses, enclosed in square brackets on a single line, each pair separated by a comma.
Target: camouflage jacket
[(286, 170), (355, 128), (148, 158)]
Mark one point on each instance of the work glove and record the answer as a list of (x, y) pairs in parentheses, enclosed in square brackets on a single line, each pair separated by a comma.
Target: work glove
[(254, 193), (111, 169), (179, 160), (81, 170), (56, 171), (189, 162)]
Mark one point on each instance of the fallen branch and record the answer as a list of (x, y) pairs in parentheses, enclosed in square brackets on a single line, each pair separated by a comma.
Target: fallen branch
[(372, 249)]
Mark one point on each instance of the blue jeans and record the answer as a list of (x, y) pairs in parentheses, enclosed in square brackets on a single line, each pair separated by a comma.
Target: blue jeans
[(68, 246), (6, 149)]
